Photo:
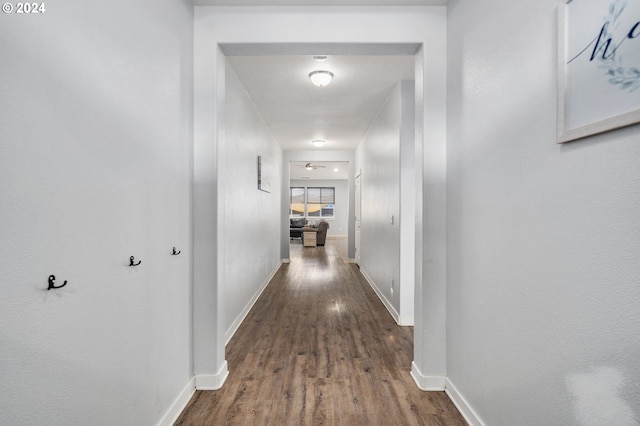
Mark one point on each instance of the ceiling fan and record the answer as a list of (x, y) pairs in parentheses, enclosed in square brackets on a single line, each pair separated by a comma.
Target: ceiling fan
[(311, 166)]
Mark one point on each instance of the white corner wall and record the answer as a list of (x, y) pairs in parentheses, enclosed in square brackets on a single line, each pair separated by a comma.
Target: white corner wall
[(95, 166), (543, 324), (407, 203), (387, 148), (378, 161), (250, 232)]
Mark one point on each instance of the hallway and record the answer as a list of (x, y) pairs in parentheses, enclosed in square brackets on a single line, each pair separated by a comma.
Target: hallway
[(319, 347)]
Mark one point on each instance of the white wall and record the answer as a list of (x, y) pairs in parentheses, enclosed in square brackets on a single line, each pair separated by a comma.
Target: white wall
[(339, 224), (543, 239), (378, 159), (250, 240), (407, 203), (95, 154)]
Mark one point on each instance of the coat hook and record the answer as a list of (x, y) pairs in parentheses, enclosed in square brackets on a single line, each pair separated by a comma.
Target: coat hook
[(134, 264), (52, 278), (175, 253)]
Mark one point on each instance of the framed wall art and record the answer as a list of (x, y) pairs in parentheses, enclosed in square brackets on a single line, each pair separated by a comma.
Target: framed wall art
[(264, 174), (599, 66)]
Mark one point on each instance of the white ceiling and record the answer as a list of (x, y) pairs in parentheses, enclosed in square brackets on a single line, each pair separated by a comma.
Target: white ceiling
[(298, 112), (325, 170)]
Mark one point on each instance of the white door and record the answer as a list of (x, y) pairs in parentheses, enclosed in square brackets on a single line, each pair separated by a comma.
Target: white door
[(358, 206)]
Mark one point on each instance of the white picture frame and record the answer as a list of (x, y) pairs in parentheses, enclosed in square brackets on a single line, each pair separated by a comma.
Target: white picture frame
[(598, 67)]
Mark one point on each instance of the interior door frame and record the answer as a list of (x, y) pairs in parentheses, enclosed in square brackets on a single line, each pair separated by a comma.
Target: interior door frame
[(357, 193), (421, 31)]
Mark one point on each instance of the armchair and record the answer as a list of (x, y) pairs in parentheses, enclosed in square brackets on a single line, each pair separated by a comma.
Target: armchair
[(321, 232), (321, 237)]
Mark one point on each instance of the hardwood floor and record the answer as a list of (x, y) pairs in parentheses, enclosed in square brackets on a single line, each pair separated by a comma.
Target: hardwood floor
[(319, 348)]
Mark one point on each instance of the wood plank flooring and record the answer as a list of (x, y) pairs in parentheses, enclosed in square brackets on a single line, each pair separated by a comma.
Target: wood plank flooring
[(319, 348)]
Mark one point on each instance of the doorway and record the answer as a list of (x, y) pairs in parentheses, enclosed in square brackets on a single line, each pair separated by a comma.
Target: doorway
[(319, 191), (222, 32)]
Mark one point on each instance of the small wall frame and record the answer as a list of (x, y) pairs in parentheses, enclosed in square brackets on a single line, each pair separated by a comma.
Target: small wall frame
[(265, 174)]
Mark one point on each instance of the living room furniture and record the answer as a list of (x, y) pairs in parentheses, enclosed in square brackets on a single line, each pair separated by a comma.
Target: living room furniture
[(295, 227), (316, 234), (309, 237), (321, 236)]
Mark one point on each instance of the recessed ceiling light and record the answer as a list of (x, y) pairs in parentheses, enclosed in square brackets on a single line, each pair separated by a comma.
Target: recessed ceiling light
[(320, 58), (321, 77), (336, 170), (318, 143)]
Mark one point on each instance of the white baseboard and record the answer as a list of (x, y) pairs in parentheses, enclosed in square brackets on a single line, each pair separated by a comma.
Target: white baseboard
[(350, 260), (406, 321), (236, 324), (178, 405), (463, 406), (212, 381), (427, 383), (382, 298), (286, 260)]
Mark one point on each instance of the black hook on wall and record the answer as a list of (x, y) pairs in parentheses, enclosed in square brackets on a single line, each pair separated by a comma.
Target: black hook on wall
[(134, 264), (52, 278), (175, 253)]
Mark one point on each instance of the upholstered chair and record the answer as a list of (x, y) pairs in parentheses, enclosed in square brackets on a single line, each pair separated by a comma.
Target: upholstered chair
[(321, 237)]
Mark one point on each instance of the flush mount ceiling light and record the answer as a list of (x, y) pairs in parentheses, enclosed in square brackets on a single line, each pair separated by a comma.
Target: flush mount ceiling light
[(320, 58), (318, 143), (321, 78)]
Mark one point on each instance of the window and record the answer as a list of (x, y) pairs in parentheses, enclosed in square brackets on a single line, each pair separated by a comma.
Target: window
[(318, 203), (296, 202)]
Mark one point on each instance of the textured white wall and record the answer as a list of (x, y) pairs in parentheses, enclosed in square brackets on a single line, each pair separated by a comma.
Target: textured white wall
[(407, 202), (429, 343), (96, 119), (250, 240), (379, 159), (209, 363), (543, 239)]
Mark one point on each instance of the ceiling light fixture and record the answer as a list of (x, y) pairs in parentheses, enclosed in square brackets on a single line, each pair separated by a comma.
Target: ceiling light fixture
[(321, 77), (320, 58), (318, 143)]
